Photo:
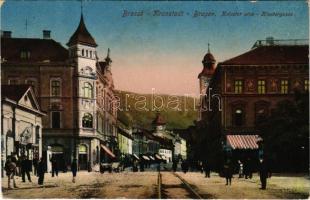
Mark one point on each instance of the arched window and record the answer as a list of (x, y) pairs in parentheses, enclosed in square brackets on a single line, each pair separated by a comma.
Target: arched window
[(238, 117), (87, 121), (87, 90)]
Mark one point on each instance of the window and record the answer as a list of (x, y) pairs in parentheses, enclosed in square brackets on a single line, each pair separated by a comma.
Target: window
[(31, 83), (82, 52), (306, 85), (86, 53), (238, 117), (87, 90), (90, 54), (284, 86), (55, 119), (55, 87), (13, 81), (261, 86), (24, 54), (87, 121), (238, 86), (261, 115)]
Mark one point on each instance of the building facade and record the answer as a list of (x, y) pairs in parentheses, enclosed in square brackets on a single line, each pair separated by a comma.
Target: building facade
[(21, 123), (73, 88), (252, 84)]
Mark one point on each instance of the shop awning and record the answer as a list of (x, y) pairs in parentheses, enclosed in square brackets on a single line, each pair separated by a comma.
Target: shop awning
[(135, 156), (152, 158), (243, 141), (108, 151), (145, 158), (163, 157), (158, 157)]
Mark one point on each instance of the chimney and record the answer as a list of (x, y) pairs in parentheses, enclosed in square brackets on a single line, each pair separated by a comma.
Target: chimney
[(46, 34), (6, 34)]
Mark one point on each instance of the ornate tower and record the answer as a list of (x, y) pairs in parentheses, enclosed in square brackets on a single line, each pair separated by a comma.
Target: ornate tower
[(205, 77), (159, 125), (82, 53)]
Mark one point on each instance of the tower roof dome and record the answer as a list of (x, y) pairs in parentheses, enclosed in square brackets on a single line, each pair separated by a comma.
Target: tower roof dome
[(82, 36), (159, 120), (208, 58)]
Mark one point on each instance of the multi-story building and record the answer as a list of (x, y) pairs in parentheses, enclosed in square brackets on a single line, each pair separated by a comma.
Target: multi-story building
[(125, 140), (74, 88), (251, 85)]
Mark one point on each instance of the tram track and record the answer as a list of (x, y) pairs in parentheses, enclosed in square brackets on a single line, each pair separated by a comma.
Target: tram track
[(173, 186)]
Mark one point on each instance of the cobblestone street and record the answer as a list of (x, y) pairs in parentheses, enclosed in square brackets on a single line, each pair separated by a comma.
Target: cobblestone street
[(145, 185)]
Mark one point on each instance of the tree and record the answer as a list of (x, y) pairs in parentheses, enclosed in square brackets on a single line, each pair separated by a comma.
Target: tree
[(286, 134)]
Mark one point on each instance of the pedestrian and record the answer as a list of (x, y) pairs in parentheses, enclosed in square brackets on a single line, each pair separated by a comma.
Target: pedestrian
[(141, 165), (74, 169), (41, 171), (25, 168), (10, 168), (264, 173), (184, 166), (35, 165), (15, 159), (228, 172), (174, 165), (135, 166), (240, 169), (200, 167), (54, 166), (207, 169)]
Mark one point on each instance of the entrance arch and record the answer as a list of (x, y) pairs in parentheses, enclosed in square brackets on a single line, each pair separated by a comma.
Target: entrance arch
[(83, 156)]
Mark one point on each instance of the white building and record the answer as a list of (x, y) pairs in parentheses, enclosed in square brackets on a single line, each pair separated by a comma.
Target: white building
[(21, 124)]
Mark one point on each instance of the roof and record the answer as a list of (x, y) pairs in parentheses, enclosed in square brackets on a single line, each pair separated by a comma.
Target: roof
[(40, 50), (82, 36), (243, 141), (273, 54), (208, 58), (13, 92), (159, 120)]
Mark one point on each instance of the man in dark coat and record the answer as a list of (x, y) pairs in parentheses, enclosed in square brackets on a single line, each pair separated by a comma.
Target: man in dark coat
[(264, 173), (41, 171), (25, 168), (228, 171), (54, 166), (184, 166), (74, 169), (35, 165), (174, 165), (207, 169)]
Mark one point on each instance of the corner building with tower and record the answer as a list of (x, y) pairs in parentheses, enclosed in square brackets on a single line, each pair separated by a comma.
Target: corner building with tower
[(74, 89)]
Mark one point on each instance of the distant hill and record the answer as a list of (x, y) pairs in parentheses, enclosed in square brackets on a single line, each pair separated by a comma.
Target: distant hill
[(140, 109)]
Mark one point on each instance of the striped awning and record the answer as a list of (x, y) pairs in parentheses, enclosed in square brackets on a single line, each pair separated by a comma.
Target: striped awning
[(158, 157), (152, 158), (135, 156), (145, 158), (108, 151), (243, 141)]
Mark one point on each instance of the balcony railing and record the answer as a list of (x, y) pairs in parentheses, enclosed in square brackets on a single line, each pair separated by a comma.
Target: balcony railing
[(272, 42)]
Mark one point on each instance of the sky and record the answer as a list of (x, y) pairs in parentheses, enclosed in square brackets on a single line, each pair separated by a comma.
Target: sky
[(159, 52)]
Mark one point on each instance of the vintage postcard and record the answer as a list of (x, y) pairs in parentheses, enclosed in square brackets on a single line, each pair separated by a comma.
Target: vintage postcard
[(155, 99)]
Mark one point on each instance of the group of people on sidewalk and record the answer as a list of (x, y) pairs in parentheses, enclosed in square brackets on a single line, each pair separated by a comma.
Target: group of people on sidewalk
[(23, 166), (245, 170)]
